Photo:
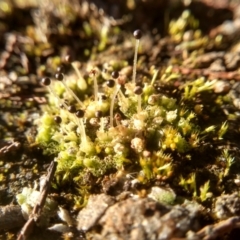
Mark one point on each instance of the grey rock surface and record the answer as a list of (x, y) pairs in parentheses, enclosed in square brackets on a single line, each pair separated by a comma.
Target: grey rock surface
[(136, 219)]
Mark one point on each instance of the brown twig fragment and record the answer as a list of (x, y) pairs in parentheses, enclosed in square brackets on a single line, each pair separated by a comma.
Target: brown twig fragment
[(11, 146), (36, 212)]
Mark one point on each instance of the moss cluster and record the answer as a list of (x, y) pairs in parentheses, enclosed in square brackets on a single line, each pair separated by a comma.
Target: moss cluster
[(142, 141), (114, 123)]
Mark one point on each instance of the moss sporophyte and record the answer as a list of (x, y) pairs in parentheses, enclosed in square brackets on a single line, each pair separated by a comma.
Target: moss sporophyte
[(99, 127)]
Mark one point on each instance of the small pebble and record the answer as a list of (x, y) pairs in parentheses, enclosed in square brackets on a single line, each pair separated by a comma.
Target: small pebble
[(221, 87)]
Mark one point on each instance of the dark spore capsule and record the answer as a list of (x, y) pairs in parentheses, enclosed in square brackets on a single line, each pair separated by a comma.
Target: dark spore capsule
[(138, 90), (137, 34), (59, 76), (110, 83), (79, 113), (46, 81), (98, 114), (57, 119), (115, 74), (72, 109)]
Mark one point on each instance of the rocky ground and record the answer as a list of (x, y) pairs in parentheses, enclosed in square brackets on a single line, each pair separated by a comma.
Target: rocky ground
[(198, 38)]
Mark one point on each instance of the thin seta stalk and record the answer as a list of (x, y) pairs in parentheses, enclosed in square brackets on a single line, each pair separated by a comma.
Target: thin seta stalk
[(95, 88), (137, 34), (112, 84), (78, 117), (138, 91), (47, 83), (117, 88), (61, 77), (78, 113), (82, 84)]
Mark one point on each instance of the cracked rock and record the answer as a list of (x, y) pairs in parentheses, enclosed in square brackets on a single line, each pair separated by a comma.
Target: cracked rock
[(138, 219)]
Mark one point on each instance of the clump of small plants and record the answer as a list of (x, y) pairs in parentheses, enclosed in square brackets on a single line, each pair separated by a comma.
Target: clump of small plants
[(110, 124)]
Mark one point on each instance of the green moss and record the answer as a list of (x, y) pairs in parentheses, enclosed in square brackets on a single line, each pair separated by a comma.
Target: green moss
[(155, 142), (163, 127)]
